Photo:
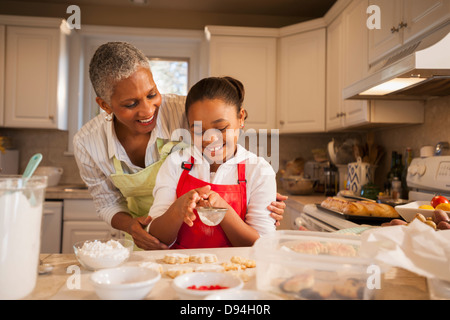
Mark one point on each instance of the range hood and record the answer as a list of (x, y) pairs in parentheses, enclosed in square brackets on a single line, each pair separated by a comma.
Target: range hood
[(418, 71)]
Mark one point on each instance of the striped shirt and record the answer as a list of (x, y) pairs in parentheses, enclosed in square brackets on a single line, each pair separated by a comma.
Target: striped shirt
[(96, 144)]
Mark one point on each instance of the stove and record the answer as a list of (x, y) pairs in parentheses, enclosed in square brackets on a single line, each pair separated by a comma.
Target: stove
[(427, 177)]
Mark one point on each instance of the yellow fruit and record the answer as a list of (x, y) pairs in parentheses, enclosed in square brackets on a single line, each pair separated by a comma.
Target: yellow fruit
[(443, 206), (426, 206)]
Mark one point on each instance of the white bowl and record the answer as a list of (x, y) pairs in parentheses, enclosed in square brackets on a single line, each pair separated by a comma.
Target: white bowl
[(53, 174), (211, 216), (242, 295), (100, 256), (181, 284), (409, 211), (124, 283)]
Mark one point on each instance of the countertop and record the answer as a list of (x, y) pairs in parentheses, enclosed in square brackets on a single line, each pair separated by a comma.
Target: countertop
[(60, 284), (69, 191)]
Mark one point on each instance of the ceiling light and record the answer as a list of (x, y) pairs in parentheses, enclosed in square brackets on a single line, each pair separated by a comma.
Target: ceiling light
[(391, 86), (139, 2)]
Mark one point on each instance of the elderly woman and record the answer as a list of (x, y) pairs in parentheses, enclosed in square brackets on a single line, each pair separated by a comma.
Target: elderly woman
[(120, 151)]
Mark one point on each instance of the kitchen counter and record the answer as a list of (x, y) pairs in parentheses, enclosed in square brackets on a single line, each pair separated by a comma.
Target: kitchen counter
[(396, 284), (70, 191)]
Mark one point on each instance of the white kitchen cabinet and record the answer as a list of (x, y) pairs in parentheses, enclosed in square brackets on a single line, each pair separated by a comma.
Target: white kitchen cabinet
[(403, 21), (82, 223), (51, 227), (36, 77), (251, 58), (347, 62), (2, 73), (301, 93)]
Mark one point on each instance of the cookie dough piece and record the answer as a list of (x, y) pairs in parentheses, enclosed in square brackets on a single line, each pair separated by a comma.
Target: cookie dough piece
[(176, 258), (210, 268), (152, 265), (298, 283), (319, 291), (176, 271), (231, 266), (203, 258), (248, 263), (351, 288)]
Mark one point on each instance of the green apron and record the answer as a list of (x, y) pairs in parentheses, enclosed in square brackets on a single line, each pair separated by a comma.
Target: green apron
[(137, 187)]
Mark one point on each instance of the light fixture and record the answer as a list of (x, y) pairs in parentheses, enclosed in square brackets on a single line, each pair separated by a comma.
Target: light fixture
[(391, 86), (139, 2)]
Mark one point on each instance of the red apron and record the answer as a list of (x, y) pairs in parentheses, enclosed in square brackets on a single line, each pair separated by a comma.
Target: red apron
[(200, 235)]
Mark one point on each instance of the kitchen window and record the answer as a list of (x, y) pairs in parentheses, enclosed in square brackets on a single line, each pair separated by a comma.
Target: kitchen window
[(171, 75)]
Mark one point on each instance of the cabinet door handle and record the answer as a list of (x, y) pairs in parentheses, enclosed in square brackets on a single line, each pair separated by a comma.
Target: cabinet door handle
[(402, 25), (282, 122), (394, 30)]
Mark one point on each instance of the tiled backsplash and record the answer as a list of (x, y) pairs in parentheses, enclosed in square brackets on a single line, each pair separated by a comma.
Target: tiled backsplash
[(53, 143)]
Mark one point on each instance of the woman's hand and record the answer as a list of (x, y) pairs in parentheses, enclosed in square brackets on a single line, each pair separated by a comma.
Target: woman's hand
[(142, 239), (276, 208)]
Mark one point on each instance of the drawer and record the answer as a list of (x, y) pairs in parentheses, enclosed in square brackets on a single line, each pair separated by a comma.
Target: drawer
[(76, 209)]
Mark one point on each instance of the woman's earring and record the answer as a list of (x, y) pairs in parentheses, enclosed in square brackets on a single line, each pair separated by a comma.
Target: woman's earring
[(109, 117)]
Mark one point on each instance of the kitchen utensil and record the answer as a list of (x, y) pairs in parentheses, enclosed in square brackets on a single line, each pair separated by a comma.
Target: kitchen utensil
[(21, 204), (331, 181), (32, 165), (211, 216), (332, 152), (359, 174), (124, 283), (53, 174)]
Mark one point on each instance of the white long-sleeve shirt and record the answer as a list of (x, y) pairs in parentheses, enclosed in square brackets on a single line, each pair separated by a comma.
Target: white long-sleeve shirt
[(260, 176), (96, 144)]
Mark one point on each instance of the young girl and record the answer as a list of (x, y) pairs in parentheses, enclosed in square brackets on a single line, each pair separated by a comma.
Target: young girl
[(218, 171)]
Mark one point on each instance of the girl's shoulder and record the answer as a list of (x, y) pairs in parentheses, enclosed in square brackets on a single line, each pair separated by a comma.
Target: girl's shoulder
[(255, 162)]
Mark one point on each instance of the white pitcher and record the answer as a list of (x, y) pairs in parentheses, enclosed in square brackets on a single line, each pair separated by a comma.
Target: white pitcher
[(359, 174)]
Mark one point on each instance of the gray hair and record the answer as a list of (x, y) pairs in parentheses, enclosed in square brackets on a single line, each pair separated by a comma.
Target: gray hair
[(112, 62)]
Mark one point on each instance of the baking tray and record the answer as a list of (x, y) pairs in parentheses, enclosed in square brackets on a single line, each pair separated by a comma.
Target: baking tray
[(358, 219)]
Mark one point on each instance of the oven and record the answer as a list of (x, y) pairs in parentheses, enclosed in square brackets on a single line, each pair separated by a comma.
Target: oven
[(428, 177)]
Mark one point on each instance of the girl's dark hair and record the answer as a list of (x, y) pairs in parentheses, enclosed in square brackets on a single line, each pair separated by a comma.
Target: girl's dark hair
[(229, 90)]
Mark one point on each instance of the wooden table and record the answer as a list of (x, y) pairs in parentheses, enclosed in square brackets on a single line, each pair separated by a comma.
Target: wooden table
[(61, 284)]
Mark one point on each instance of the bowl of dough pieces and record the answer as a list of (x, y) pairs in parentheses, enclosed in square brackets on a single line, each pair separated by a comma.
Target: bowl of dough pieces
[(103, 253)]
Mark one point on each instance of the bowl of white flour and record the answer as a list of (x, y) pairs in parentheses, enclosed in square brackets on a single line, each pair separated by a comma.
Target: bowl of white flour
[(103, 253)]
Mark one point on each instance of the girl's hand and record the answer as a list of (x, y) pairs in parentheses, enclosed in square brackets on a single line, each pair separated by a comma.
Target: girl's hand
[(187, 203), (276, 208), (215, 200)]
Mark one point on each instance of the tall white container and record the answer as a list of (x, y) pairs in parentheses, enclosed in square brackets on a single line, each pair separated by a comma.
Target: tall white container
[(21, 203)]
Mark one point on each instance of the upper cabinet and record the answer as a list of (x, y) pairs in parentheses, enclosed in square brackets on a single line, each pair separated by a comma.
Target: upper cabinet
[(2, 72), (403, 21), (35, 76), (347, 62), (249, 55), (301, 87)]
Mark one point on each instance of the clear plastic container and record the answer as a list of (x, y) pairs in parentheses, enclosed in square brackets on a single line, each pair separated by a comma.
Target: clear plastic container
[(314, 265), (21, 203)]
